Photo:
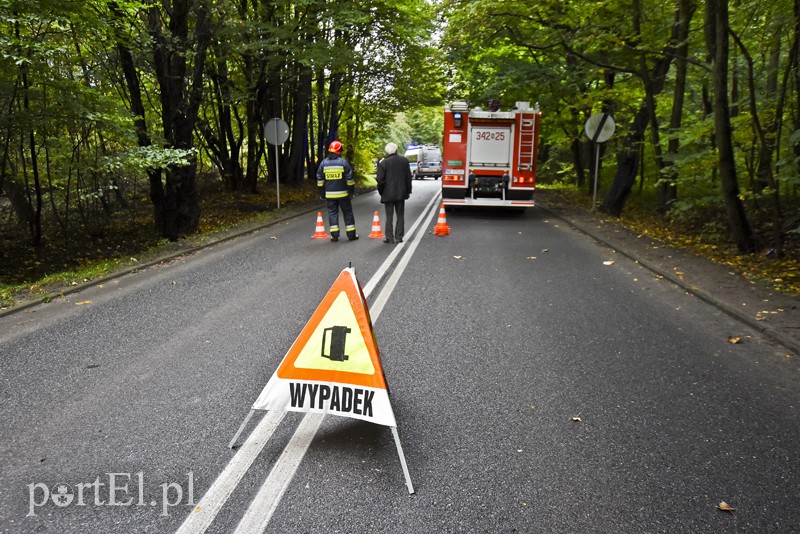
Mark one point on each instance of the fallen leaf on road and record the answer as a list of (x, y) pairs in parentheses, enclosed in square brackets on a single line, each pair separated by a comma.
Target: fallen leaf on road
[(545, 250), (530, 257), (273, 237), (576, 419), (734, 340), (608, 262), (725, 507), (458, 257), (81, 303)]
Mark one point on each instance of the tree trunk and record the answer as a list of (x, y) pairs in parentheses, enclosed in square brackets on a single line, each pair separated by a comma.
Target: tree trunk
[(766, 135), (36, 223), (627, 165), (742, 233), (217, 130), (796, 67), (180, 106), (627, 159), (299, 137), (668, 187), (140, 125)]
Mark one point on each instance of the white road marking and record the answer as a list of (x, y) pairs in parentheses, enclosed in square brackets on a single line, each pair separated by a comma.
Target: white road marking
[(384, 268), (209, 506), (383, 297), (269, 495)]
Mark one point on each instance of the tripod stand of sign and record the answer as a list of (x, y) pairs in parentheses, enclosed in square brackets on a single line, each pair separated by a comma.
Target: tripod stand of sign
[(334, 366)]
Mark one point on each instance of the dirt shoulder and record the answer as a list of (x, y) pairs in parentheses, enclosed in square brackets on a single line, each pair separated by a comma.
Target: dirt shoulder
[(762, 308)]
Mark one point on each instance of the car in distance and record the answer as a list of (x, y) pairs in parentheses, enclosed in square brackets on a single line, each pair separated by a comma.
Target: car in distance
[(424, 161)]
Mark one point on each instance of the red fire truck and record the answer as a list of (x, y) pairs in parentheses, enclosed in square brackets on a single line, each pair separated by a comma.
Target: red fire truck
[(489, 157)]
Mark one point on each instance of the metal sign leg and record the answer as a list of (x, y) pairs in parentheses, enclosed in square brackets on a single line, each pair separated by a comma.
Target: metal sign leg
[(241, 429), (402, 456)]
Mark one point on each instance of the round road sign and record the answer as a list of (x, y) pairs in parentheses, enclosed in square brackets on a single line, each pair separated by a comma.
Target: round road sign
[(276, 131), (600, 127)]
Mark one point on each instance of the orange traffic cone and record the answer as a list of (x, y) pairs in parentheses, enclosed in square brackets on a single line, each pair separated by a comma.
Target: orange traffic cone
[(376, 228), (320, 232), (441, 227)]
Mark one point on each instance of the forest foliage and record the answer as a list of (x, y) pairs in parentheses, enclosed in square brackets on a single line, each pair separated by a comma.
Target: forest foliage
[(109, 108)]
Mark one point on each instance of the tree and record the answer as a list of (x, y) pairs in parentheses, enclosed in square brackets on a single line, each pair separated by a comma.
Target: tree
[(717, 38), (180, 84)]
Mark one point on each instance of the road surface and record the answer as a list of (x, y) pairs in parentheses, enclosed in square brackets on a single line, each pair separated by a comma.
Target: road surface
[(540, 382)]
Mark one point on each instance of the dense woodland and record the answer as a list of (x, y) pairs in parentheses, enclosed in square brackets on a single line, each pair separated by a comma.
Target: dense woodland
[(107, 107)]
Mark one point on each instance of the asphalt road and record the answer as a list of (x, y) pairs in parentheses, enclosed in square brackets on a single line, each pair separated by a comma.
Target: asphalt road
[(540, 383)]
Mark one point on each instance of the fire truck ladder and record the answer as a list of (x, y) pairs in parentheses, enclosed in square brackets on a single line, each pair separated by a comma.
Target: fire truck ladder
[(526, 139)]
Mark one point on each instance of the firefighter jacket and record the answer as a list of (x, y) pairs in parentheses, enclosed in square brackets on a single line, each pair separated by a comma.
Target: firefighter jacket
[(335, 177), (394, 178)]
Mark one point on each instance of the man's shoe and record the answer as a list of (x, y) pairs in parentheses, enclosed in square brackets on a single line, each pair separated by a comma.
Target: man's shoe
[(388, 241), (352, 238), (399, 240), (335, 238)]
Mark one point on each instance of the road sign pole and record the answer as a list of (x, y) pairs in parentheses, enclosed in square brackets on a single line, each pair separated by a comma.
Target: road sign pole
[(277, 168), (277, 132), (596, 174), (277, 177), (599, 128)]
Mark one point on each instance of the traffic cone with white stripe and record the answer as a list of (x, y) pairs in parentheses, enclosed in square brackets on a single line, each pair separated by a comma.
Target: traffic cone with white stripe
[(441, 227), (377, 233), (320, 232)]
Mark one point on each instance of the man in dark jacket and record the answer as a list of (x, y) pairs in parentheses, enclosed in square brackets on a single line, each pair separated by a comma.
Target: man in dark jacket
[(394, 186), (337, 186)]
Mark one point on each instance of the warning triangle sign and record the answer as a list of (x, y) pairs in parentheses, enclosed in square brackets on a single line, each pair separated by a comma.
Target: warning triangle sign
[(334, 365)]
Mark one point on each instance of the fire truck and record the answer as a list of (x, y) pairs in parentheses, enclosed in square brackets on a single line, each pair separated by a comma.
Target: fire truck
[(489, 157)]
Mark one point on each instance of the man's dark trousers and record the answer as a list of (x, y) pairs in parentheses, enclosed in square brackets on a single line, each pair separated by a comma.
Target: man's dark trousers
[(349, 218), (398, 207)]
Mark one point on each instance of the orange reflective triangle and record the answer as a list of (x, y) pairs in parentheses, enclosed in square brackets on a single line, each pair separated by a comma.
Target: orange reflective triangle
[(338, 343)]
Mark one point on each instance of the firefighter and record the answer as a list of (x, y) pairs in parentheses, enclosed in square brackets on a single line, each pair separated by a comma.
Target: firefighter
[(337, 186)]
